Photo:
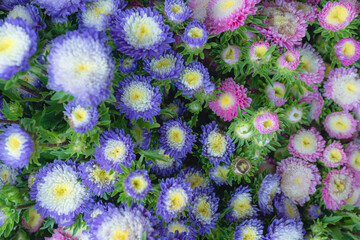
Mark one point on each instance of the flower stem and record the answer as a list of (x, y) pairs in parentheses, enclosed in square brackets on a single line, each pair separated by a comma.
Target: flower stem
[(8, 121)]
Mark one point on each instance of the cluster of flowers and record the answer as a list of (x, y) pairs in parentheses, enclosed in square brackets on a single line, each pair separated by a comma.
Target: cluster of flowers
[(205, 119)]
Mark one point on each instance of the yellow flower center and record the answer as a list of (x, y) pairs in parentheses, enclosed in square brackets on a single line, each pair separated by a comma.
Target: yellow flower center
[(335, 155), (176, 8), (162, 63), (99, 10), (5, 176), (230, 53), (280, 20), (13, 143), (306, 141), (192, 78), (61, 191), (6, 45), (217, 143), (357, 160), (307, 65), (176, 227), (260, 51), (33, 218), (226, 101), (177, 201), (204, 209), (340, 125), (120, 235), (289, 57), (136, 94), (116, 152), (83, 68), (102, 176), (142, 32), (348, 49), (339, 185), (351, 87), (222, 172), (279, 91), (127, 62), (195, 32), (291, 210), (337, 15), (298, 180), (268, 123), (195, 181), (138, 184), (242, 207), (227, 4), (80, 114), (249, 234), (176, 136)]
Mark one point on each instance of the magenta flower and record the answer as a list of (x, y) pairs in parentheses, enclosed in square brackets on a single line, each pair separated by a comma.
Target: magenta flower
[(334, 155), (314, 65), (257, 50), (231, 54), (340, 125), (276, 93), (289, 60), (347, 51), (267, 122)]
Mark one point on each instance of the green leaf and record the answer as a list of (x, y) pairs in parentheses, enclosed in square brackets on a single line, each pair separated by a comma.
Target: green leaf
[(143, 237), (332, 219)]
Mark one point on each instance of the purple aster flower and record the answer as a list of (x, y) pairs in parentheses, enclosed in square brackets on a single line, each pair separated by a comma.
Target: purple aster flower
[(97, 179), (94, 209), (177, 11), (81, 118), (141, 33), (314, 211), (347, 51), (61, 8), (176, 138), (8, 175), (168, 66), (219, 174), (270, 186), (18, 43), (30, 14), (125, 223), (58, 193), (289, 60), (196, 177), (127, 65), (334, 155), (217, 145), (174, 197), (137, 98), (276, 93), (137, 184), (231, 54), (340, 125), (141, 136), (285, 229), (249, 229), (80, 64), (165, 168), (178, 229), (16, 146), (266, 122), (241, 201), (7, 5), (115, 148), (195, 35), (285, 207), (31, 79)]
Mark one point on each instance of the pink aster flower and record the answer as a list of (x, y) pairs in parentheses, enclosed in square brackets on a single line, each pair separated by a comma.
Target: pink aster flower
[(266, 122), (60, 234), (276, 93), (347, 51), (258, 49), (340, 125), (231, 54), (289, 60), (314, 65), (298, 179), (338, 188), (227, 102), (310, 11), (316, 106), (355, 197), (224, 15), (199, 8), (336, 15), (315, 2), (306, 144), (286, 26), (334, 155), (352, 151), (35, 221), (355, 3)]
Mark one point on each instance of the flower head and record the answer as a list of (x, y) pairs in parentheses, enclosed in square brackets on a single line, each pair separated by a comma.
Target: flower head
[(34, 222), (196, 177), (127, 65), (352, 151), (249, 229), (270, 186), (195, 35), (266, 122), (314, 211), (309, 9), (8, 175), (179, 228), (219, 174), (231, 54), (334, 155), (258, 50), (285, 207), (81, 118), (31, 79), (340, 125), (347, 51), (199, 8), (137, 184), (241, 201), (314, 65), (141, 136), (30, 14), (177, 11), (289, 60), (61, 8), (286, 229), (165, 168), (316, 106)]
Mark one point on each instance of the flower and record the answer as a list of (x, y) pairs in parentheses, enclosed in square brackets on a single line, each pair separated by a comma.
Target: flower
[(97, 179), (219, 174), (294, 114), (137, 184), (58, 193), (141, 136), (81, 118), (298, 179), (343, 86), (258, 50), (231, 54), (340, 125), (34, 222), (289, 60), (270, 186), (242, 130), (165, 168), (338, 188), (61, 8), (31, 79), (228, 101), (60, 234), (127, 65), (18, 43), (352, 151), (95, 209), (115, 148), (347, 51), (177, 11), (316, 106), (174, 197), (168, 66), (8, 175), (266, 122), (217, 145), (308, 9), (306, 144), (141, 33), (336, 15), (125, 223), (194, 78), (286, 229), (137, 98), (285, 207), (334, 155), (314, 65), (286, 26), (249, 229), (199, 8), (276, 93), (80, 64), (196, 177), (30, 14), (224, 15), (179, 227), (355, 197), (177, 106), (16, 146), (195, 35), (314, 211), (241, 201), (7, 5)]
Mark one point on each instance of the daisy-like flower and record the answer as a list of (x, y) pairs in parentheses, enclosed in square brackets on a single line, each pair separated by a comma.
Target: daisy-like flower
[(249, 229), (137, 184), (231, 54), (194, 78), (270, 186), (31, 79), (18, 43), (286, 26), (141, 33), (241, 201), (137, 98), (310, 11), (224, 15), (298, 179), (81, 118), (196, 177), (314, 65), (195, 35), (334, 155), (176, 138), (289, 60), (16, 146), (347, 51), (115, 148), (314, 211), (30, 14), (80, 64), (57, 191), (219, 174), (338, 188), (174, 197), (199, 8), (294, 114), (242, 130), (228, 101), (8, 175), (169, 66), (340, 125), (285, 207), (285, 229), (177, 11), (125, 223), (258, 50), (7, 5), (97, 179), (141, 136), (352, 151), (165, 168), (127, 65), (34, 222), (276, 93), (61, 8), (178, 228), (266, 122), (306, 144), (316, 106), (217, 145), (336, 15)]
